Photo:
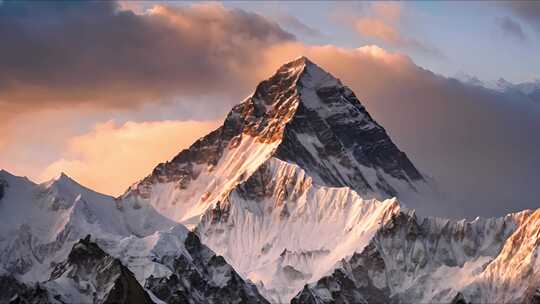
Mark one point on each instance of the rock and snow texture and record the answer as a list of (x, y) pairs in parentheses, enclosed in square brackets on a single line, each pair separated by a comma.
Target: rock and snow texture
[(281, 230), (201, 277), (298, 176), (431, 260), (39, 223), (301, 115), (41, 226), (89, 275)]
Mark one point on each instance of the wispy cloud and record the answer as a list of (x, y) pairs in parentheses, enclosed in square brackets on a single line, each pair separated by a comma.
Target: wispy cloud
[(295, 25), (528, 11), (381, 21), (510, 28)]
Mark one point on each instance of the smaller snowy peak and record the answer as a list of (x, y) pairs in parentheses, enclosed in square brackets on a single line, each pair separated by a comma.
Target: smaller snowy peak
[(8, 178), (63, 181), (529, 89), (62, 192)]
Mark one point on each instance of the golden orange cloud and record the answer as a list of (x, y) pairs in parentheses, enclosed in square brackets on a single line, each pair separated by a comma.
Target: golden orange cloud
[(111, 157), (376, 28)]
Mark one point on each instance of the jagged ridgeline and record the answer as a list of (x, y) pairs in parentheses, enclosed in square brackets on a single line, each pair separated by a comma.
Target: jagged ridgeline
[(296, 197)]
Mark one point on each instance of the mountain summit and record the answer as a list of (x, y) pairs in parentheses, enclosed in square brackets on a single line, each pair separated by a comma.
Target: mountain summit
[(298, 177), (301, 115)]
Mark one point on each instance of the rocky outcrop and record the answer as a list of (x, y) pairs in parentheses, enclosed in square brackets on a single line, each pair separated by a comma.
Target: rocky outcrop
[(3, 186), (201, 277), (356, 281), (98, 277)]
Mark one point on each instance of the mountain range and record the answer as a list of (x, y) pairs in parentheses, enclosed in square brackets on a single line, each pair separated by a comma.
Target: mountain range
[(299, 197)]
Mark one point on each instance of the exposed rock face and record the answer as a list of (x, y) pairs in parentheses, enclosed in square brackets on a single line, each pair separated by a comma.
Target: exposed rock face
[(334, 139), (98, 277), (3, 186), (202, 277)]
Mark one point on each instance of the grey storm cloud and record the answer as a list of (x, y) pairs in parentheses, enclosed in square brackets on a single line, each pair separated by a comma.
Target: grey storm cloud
[(511, 28), (76, 52)]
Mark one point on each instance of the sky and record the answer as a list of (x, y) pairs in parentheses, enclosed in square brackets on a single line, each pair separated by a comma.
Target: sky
[(106, 90)]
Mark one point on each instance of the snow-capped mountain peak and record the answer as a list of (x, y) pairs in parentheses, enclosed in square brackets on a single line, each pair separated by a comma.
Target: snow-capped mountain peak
[(302, 115), (300, 153)]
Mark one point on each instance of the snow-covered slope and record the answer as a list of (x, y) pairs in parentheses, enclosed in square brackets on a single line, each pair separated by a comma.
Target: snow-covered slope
[(432, 260), (302, 115), (39, 223), (41, 226), (281, 230)]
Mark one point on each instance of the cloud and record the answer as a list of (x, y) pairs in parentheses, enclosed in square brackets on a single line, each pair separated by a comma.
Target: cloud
[(389, 11), (111, 157), (76, 52), (528, 11), (510, 28), (376, 28), (380, 21), (294, 24)]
